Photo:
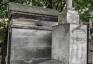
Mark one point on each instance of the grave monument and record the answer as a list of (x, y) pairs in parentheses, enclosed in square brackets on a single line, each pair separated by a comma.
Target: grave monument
[(69, 38), (30, 33)]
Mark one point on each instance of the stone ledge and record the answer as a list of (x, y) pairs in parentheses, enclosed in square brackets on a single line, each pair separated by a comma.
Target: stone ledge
[(52, 62), (32, 9), (20, 26)]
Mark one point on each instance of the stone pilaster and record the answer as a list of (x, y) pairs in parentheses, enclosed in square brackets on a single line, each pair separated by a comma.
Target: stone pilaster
[(69, 39)]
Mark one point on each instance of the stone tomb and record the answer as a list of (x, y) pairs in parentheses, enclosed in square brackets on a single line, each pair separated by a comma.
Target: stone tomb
[(30, 34), (69, 43), (69, 38)]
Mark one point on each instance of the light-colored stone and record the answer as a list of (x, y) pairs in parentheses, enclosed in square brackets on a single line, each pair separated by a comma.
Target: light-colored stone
[(29, 46), (68, 16), (52, 62), (29, 40), (69, 4), (32, 9), (69, 43)]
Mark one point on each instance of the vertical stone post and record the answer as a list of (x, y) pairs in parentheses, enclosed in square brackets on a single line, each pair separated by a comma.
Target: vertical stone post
[(69, 38), (92, 59), (90, 43), (69, 4), (91, 25)]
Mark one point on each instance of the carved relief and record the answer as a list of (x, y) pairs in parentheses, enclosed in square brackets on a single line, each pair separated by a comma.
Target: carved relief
[(78, 45), (78, 34)]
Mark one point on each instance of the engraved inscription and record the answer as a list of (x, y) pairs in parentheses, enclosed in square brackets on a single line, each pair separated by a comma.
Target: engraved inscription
[(78, 46), (78, 35)]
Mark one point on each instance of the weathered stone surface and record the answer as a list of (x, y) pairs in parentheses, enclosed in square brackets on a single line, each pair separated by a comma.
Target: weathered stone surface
[(31, 34), (32, 9), (90, 52), (68, 16), (90, 41), (33, 20), (90, 45), (27, 62), (69, 4), (89, 57), (52, 62), (69, 43), (30, 46)]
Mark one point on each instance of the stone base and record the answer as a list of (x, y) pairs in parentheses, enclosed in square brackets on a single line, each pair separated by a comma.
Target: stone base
[(90, 52), (69, 43), (30, 46), (68, 16), (52, 62)]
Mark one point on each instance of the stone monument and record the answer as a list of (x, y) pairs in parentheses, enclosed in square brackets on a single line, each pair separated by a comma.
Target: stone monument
[(90, 42), (69, 38), (30, 33), (69, 15)]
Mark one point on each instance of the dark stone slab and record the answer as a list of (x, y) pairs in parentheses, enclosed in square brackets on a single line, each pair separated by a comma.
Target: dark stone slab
[(52, 62), (34, 17), (33, 21)]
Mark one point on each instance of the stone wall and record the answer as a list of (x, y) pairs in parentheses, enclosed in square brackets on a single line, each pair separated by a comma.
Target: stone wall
[(30, 35)]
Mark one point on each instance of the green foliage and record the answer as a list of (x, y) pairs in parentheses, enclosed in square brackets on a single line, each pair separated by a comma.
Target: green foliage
[(84, 7), (1, 24), (2, 14), (16, 1), (79, 5), (2, 35), (84, 17)]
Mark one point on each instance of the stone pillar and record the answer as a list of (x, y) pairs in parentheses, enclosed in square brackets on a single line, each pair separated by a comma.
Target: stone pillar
[(90, 43), (68, 16), (91, 25), (69, 4), (69, 43), (69, 39)]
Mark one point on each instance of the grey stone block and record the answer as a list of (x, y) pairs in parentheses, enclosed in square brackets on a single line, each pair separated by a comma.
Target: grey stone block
[(69, 43), (68, 16), (52, 62), (32, 9), (30, 33), (25, 20), (90, 56), (30, 46)]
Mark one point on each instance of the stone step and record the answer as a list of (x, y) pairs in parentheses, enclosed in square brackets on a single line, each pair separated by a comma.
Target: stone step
[(52, 62)]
